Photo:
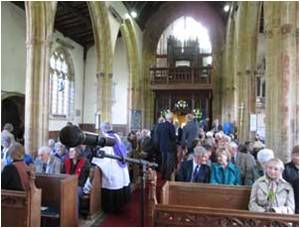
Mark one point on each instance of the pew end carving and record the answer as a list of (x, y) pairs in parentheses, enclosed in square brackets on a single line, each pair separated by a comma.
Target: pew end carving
[(22, 208), (217, 205), (90, 204)]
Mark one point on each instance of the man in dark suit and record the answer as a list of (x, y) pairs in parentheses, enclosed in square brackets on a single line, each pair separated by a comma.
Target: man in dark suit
[(166, 139), (195, 170)]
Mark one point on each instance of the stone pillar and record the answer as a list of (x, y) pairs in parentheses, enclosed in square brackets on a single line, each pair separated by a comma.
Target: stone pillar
[(102, 37), (39, 24), (228, 110), (245, 65), (148, 59), (281, 77), (135, 95)]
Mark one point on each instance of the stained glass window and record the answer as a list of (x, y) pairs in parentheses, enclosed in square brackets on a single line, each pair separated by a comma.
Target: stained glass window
[(61, 85)]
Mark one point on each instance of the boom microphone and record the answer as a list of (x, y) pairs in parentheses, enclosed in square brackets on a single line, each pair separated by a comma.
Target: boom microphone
[(72, 136)]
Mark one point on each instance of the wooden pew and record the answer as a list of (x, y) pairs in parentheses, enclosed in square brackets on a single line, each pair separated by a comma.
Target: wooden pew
[(194, 204), (59, 194), (90, 205), (20, 208)]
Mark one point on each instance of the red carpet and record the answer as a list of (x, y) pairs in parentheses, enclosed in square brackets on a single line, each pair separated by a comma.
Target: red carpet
[(130, 216)]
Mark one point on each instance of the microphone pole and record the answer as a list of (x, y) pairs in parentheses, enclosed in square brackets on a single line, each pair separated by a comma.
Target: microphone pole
[(143, 170)]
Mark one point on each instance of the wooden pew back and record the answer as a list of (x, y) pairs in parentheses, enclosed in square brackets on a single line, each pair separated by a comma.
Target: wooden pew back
[(204, 205), (90, 204), (20, 208), (60, 191), (95, 194), (206, 195)]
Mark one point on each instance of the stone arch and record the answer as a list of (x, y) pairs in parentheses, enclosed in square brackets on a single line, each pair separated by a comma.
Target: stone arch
[(102, 37), (168, 13), (13, 110)]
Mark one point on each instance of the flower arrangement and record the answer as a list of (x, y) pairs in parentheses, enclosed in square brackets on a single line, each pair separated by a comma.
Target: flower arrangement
[(198, 114), (164, 112), (181, 104)]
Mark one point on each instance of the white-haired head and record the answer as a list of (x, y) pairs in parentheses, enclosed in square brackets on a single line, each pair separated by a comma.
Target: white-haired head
[(232, 144), (7, 139), (105, 127), (51, 143), (169, 116), (209, 134), (219, 135), (264, 155)]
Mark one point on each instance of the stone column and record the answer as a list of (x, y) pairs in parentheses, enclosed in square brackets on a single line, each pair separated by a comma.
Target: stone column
[(281, 77), (135, 96), (229, 77), (39, 24), (245, 65), (102, 37)]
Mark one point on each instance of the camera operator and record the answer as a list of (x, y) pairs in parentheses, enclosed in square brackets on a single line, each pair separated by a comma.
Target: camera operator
[(115, 175)]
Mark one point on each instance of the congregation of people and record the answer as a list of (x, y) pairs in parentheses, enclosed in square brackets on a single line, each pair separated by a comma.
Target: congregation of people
[(197, 154), (193, 153)]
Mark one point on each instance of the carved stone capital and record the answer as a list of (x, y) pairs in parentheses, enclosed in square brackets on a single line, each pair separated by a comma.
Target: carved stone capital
[(286, 29), (100, 75)]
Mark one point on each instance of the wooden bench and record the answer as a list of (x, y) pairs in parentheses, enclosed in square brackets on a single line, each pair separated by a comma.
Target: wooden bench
[(20, 208), (59, 195), (90, 204), (194, 204)]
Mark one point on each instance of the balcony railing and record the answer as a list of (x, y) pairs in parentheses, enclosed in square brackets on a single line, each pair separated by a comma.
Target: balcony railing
[(180, 75)]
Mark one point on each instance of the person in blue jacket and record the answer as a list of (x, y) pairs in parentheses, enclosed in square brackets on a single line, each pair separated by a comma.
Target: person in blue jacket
[(224, 171)]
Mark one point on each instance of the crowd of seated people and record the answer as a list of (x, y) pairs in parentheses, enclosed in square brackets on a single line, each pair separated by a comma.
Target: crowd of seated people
[(194, 154), (189, 154), (56, 158)]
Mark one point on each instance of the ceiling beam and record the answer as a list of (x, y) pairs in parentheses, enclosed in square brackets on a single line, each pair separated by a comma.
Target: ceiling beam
[(77, 13)]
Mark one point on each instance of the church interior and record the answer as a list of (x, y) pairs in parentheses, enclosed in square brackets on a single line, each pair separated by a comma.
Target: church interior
[(149, 113)]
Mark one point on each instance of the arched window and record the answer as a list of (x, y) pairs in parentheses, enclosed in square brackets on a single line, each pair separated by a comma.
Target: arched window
[(61, 85), (186, 31)]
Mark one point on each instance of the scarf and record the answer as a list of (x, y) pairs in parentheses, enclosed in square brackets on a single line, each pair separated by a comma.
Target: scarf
[(119, 148)]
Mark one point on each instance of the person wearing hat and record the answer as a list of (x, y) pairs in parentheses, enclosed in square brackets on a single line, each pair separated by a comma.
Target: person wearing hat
[(15, 176), (263, 156)]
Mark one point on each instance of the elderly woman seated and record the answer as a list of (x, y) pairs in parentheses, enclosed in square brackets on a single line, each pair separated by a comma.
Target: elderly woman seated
[(271, 193), (224, 171), (15, 176), (195, 170)]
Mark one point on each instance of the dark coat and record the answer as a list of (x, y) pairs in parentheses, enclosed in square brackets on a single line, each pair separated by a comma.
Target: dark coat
[(290, 173), (10, 178), (186, 171), (189, 134), (166, 137)]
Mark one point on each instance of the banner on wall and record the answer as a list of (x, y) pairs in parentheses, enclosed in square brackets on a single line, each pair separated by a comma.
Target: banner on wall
[(136, 119), (252, 122)]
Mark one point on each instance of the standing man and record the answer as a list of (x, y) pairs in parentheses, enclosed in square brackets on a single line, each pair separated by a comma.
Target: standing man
[(167, 144)]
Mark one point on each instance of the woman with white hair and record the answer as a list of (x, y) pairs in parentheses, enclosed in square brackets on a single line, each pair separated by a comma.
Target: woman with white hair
[(263, 156), (271, 193), (115, 190)]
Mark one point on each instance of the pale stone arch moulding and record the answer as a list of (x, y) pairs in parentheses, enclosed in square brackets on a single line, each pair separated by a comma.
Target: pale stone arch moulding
[(135, 110), (168, 13), (102, 37), (39, 30)]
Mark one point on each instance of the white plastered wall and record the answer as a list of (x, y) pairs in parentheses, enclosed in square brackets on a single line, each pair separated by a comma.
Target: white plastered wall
[(13, 59)]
